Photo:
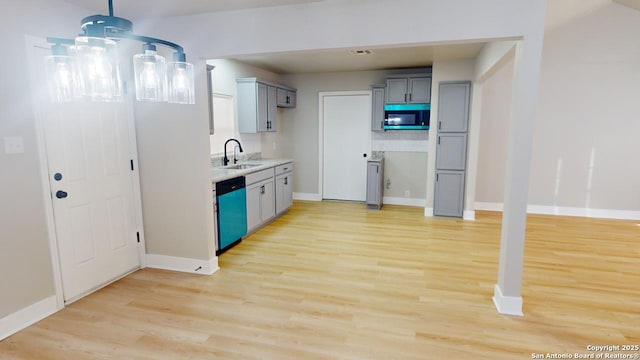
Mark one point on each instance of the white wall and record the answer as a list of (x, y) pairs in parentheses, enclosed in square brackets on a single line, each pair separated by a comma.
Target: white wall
[(585, 139), (25, 265), (494, 132), (297, 136)]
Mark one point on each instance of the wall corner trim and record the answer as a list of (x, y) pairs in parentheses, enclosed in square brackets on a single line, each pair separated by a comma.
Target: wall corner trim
[(507, 305), (469, 215), (173, 263), (27, 316), (307, 196), (428, 212)]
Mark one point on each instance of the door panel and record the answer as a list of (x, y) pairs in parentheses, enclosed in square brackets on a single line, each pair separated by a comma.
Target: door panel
[(453, 107), (420, 90), (88, 143), (449, 193), (451, 153), (346, 138)]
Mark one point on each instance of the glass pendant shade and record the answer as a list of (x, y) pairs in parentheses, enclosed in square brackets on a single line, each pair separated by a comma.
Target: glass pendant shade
[(99, 75), (149, 69), (180, 81), (61, 78)]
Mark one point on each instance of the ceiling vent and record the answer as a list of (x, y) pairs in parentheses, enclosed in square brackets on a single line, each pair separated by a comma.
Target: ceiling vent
[(361, 52)]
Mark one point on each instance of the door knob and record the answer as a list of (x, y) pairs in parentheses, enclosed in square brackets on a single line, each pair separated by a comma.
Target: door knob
[(364, 155), (61, 194), (57, 176)]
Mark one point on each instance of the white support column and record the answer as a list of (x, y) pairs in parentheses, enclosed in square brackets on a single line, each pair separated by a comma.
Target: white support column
[(473, 147), (507, 296)]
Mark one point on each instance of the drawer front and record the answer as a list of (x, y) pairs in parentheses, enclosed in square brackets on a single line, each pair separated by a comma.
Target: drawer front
[(284, 168), (258, 176)]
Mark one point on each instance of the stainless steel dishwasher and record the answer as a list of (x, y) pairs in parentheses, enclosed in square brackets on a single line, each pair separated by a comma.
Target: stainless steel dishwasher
[(231, 198)]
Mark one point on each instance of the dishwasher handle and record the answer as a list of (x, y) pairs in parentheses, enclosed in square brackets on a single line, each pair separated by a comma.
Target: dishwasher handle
[(227, 186)]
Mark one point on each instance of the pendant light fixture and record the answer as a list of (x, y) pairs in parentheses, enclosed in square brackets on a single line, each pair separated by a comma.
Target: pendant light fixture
[(87, 68)]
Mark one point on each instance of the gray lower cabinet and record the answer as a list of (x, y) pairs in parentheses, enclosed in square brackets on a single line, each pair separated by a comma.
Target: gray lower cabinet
[(284, 192), (375, 176), (377, 109), (449, 193), (284, 187), (260, 198), (451, 151)]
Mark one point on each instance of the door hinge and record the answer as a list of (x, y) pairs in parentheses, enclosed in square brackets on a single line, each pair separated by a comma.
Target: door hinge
[(138, 236), (131, 163)]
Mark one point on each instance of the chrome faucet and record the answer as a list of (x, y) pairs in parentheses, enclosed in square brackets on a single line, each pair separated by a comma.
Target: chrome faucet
[(226, 159)]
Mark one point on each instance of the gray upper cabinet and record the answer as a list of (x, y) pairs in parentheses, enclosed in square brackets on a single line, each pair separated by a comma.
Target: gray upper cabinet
[(419, 90), (377, 110), (410, 89), (397, 91), (272, 109), (286, 98), (258, 104), (453, 106), (451, 152)]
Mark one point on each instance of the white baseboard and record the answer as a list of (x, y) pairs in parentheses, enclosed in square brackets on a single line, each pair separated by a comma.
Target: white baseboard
[(469, 215), (488, 206), (194, 266), (388, 200), (30, 315), (507, 305), (307, 196), (567, 211), (428, 212)]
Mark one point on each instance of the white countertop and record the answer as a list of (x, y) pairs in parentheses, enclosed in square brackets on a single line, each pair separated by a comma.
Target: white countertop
[(220, 173)]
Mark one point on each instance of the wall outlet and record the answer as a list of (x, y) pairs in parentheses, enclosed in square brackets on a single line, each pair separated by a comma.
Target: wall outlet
[(13, 145), (407, 193), (388, 184)]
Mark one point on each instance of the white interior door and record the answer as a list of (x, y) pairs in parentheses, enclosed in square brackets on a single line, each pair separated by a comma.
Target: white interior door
[(346, 139), (91, 181), (89, 155)]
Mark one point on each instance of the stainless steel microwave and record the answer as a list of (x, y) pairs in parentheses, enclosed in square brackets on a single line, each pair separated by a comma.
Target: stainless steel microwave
[(407, 117)]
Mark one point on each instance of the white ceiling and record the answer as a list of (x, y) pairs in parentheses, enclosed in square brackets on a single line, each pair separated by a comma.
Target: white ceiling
[(140, 9), (342, 60), (559, 12)]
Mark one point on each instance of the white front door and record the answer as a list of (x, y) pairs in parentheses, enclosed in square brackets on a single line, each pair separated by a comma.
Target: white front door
[(346, 141), (89, 157)]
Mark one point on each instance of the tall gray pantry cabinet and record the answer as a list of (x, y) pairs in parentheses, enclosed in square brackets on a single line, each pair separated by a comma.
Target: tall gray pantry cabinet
[(451, 149)]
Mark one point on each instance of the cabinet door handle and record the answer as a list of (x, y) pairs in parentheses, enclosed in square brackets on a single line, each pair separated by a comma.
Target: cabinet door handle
[(438, 140), (262, 189), (286, 182), (437, 177), (377, 167), (410, 97), (439, 125), (405, 97)]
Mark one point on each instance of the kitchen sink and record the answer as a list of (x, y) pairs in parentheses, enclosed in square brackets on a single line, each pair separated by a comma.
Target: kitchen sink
[(241, 166)]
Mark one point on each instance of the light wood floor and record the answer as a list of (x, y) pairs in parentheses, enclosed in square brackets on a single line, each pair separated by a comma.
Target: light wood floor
[(334, 281)]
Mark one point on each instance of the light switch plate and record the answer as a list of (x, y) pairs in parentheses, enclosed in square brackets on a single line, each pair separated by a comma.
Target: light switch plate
[(13, 145)]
